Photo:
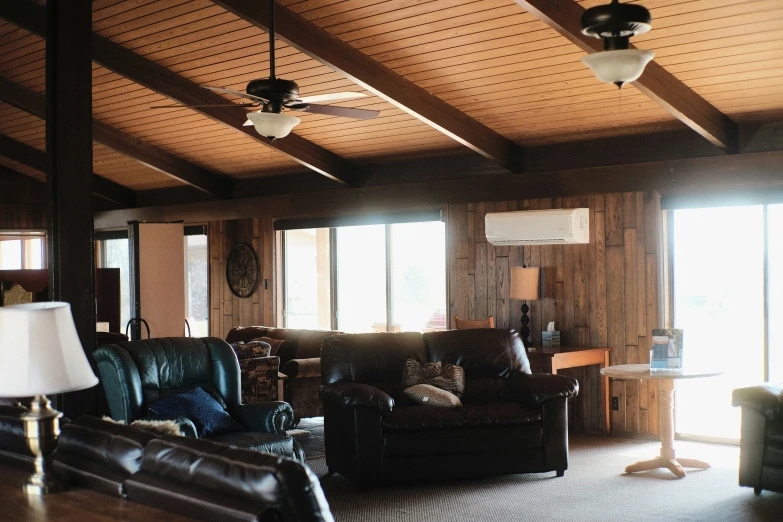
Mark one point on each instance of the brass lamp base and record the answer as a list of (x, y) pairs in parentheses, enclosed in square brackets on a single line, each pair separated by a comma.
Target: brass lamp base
[(42, 427)]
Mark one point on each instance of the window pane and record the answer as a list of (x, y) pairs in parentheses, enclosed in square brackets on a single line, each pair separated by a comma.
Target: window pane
[(307, 275), (114, 254), (361, 279), (11, 254), (33, 255), (197, 285), (418, 274), (718, 302), (775, 292)]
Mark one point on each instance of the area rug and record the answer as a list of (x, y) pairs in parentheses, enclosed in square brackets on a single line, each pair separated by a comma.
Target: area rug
[(594, 488)]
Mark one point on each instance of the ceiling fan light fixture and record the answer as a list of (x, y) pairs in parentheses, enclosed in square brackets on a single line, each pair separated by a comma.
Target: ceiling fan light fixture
[(273, 125), (619, 66)]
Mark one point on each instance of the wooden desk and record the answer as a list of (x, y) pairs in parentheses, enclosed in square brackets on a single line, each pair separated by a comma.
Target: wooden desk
[(552, 359), (74, 505)]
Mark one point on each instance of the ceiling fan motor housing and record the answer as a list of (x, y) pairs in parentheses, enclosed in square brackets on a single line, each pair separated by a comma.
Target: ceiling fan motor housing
[(615, 23), (276, 90)]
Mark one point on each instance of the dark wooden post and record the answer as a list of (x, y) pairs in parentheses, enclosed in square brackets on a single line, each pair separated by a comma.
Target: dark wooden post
[(69, 176)]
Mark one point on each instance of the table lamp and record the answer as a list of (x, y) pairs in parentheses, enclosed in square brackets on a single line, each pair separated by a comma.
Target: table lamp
[(40, 353), (524, 286)]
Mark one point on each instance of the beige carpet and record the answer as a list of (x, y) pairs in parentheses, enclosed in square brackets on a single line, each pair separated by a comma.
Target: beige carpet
[(594, 489)]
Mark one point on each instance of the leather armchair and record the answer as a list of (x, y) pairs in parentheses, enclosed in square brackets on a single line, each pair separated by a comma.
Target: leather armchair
[(510, 422), (761, 442), (138, 373)]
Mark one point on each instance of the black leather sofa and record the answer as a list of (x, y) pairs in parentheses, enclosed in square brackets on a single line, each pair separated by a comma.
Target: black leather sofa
[(191, 477), (761, 442), (510, 422)]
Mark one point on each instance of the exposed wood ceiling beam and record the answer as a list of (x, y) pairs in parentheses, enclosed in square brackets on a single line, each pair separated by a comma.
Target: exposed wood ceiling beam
[(10, 175), (160, 79), (657, 83), (149, 155), (329, 50), (36, 159)]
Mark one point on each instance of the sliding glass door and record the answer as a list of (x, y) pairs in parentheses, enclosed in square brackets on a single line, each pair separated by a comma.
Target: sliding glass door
[(720, 264)]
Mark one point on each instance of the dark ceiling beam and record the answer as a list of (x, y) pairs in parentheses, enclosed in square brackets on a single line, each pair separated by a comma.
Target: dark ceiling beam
[(10, 175), (657, 83), (149, 155), (339, 56), (34, 158), (163, 81)]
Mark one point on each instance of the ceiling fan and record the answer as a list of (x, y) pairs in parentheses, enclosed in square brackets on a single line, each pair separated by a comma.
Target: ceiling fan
[(274, 95)]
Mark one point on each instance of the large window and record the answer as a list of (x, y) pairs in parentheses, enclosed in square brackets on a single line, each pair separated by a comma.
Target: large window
[(372, 278), (22, 250), (197, 281), (727, 272)]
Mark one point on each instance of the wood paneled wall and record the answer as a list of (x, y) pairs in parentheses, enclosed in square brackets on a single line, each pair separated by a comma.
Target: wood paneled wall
[(226, 309), (22, 216), (604, 293)]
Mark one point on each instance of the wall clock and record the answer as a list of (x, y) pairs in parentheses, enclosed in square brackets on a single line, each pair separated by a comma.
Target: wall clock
[(242, 270)]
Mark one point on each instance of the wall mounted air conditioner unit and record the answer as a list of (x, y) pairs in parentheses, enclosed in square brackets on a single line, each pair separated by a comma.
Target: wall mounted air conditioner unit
[(538, 227)]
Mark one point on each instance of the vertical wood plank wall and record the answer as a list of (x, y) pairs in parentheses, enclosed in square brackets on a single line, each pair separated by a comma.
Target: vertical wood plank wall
[(23, 216), (600, 294)]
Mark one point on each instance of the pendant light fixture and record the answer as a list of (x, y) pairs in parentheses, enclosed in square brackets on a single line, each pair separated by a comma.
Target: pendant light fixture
[(615, 23)]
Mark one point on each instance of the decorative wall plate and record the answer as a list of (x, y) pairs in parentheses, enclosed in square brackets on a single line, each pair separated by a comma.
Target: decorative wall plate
[(242, 270)]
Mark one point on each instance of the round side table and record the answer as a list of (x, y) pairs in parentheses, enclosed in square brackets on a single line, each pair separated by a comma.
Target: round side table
[(665, 380)]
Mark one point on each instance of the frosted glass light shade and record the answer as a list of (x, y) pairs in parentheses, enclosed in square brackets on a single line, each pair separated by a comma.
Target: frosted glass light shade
[(40, 351), (273, 124), (618, 66), (524, 283)]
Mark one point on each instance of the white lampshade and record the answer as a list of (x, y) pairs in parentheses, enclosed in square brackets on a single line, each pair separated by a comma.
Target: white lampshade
[(40, 351), (273, 124), (618, 66), (524, 283)]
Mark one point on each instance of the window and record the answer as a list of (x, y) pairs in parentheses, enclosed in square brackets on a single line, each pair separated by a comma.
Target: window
[(113, 252), (370, 278), (197, 281), (725, 266), (22, 250)]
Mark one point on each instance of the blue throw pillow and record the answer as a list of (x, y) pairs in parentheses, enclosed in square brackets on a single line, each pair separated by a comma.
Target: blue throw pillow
[(197, 405)]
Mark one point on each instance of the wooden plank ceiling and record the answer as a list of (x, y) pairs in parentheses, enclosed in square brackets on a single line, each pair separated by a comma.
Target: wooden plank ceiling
[(490, 59)]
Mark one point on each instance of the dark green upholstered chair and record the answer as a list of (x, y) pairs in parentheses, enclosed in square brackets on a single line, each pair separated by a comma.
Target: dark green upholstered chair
[(136, 374)]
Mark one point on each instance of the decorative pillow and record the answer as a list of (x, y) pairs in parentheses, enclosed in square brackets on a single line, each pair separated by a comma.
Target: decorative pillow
[(200, 407), (276, 344), (254, 348), (431, 396), (449, 377)]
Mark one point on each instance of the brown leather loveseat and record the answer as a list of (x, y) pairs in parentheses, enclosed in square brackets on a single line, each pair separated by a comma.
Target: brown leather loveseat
[(300, 361), (510, 421)]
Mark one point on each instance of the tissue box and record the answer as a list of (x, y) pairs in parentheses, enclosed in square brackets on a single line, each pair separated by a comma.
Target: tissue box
[(549, 339)]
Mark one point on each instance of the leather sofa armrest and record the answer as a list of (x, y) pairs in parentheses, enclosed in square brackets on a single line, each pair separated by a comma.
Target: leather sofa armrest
[(766, 398), (266, 417), (302, 368), (535, 389), (356, 395)]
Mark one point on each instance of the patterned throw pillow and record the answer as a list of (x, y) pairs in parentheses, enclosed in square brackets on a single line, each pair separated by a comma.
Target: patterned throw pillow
[(274, 343), (428, 395), (449, 377), (254, 348)]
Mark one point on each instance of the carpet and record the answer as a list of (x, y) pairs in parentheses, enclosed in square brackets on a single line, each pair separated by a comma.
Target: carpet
[(594, 488)]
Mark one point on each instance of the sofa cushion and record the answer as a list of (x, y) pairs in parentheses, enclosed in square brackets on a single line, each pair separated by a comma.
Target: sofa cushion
[(417, 418), (462, 441), (306, 343), (482, 353), (246, 334), (499, 414), (197, 405), (429, 395)]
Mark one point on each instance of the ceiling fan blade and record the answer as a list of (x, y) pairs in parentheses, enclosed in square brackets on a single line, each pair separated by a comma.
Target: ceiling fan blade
[(345, 112), (205, 105), (237, 93), (332, 97)]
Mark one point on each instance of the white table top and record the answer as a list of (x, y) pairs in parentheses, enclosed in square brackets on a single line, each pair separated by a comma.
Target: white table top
[(642, 371)]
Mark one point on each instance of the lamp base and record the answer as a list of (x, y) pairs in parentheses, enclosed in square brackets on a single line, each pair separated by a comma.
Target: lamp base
[(524, 332), (42, 427)]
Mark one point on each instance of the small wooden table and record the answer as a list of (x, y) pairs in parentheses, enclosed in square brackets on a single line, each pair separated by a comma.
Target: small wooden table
[(665, 380), (552, 358)]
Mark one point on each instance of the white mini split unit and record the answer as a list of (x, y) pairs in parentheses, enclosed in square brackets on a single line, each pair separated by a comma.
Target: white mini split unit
[(538, 227)]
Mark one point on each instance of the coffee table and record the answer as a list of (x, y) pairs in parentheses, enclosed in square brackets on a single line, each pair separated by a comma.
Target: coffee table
[(665, 380)]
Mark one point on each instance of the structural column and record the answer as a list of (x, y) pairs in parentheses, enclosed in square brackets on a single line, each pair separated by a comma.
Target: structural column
[(69, 176)]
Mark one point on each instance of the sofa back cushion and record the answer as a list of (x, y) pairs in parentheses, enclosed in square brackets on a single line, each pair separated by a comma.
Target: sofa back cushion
[(487, 355), (304, 344), (245, 334), (370, 358)]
